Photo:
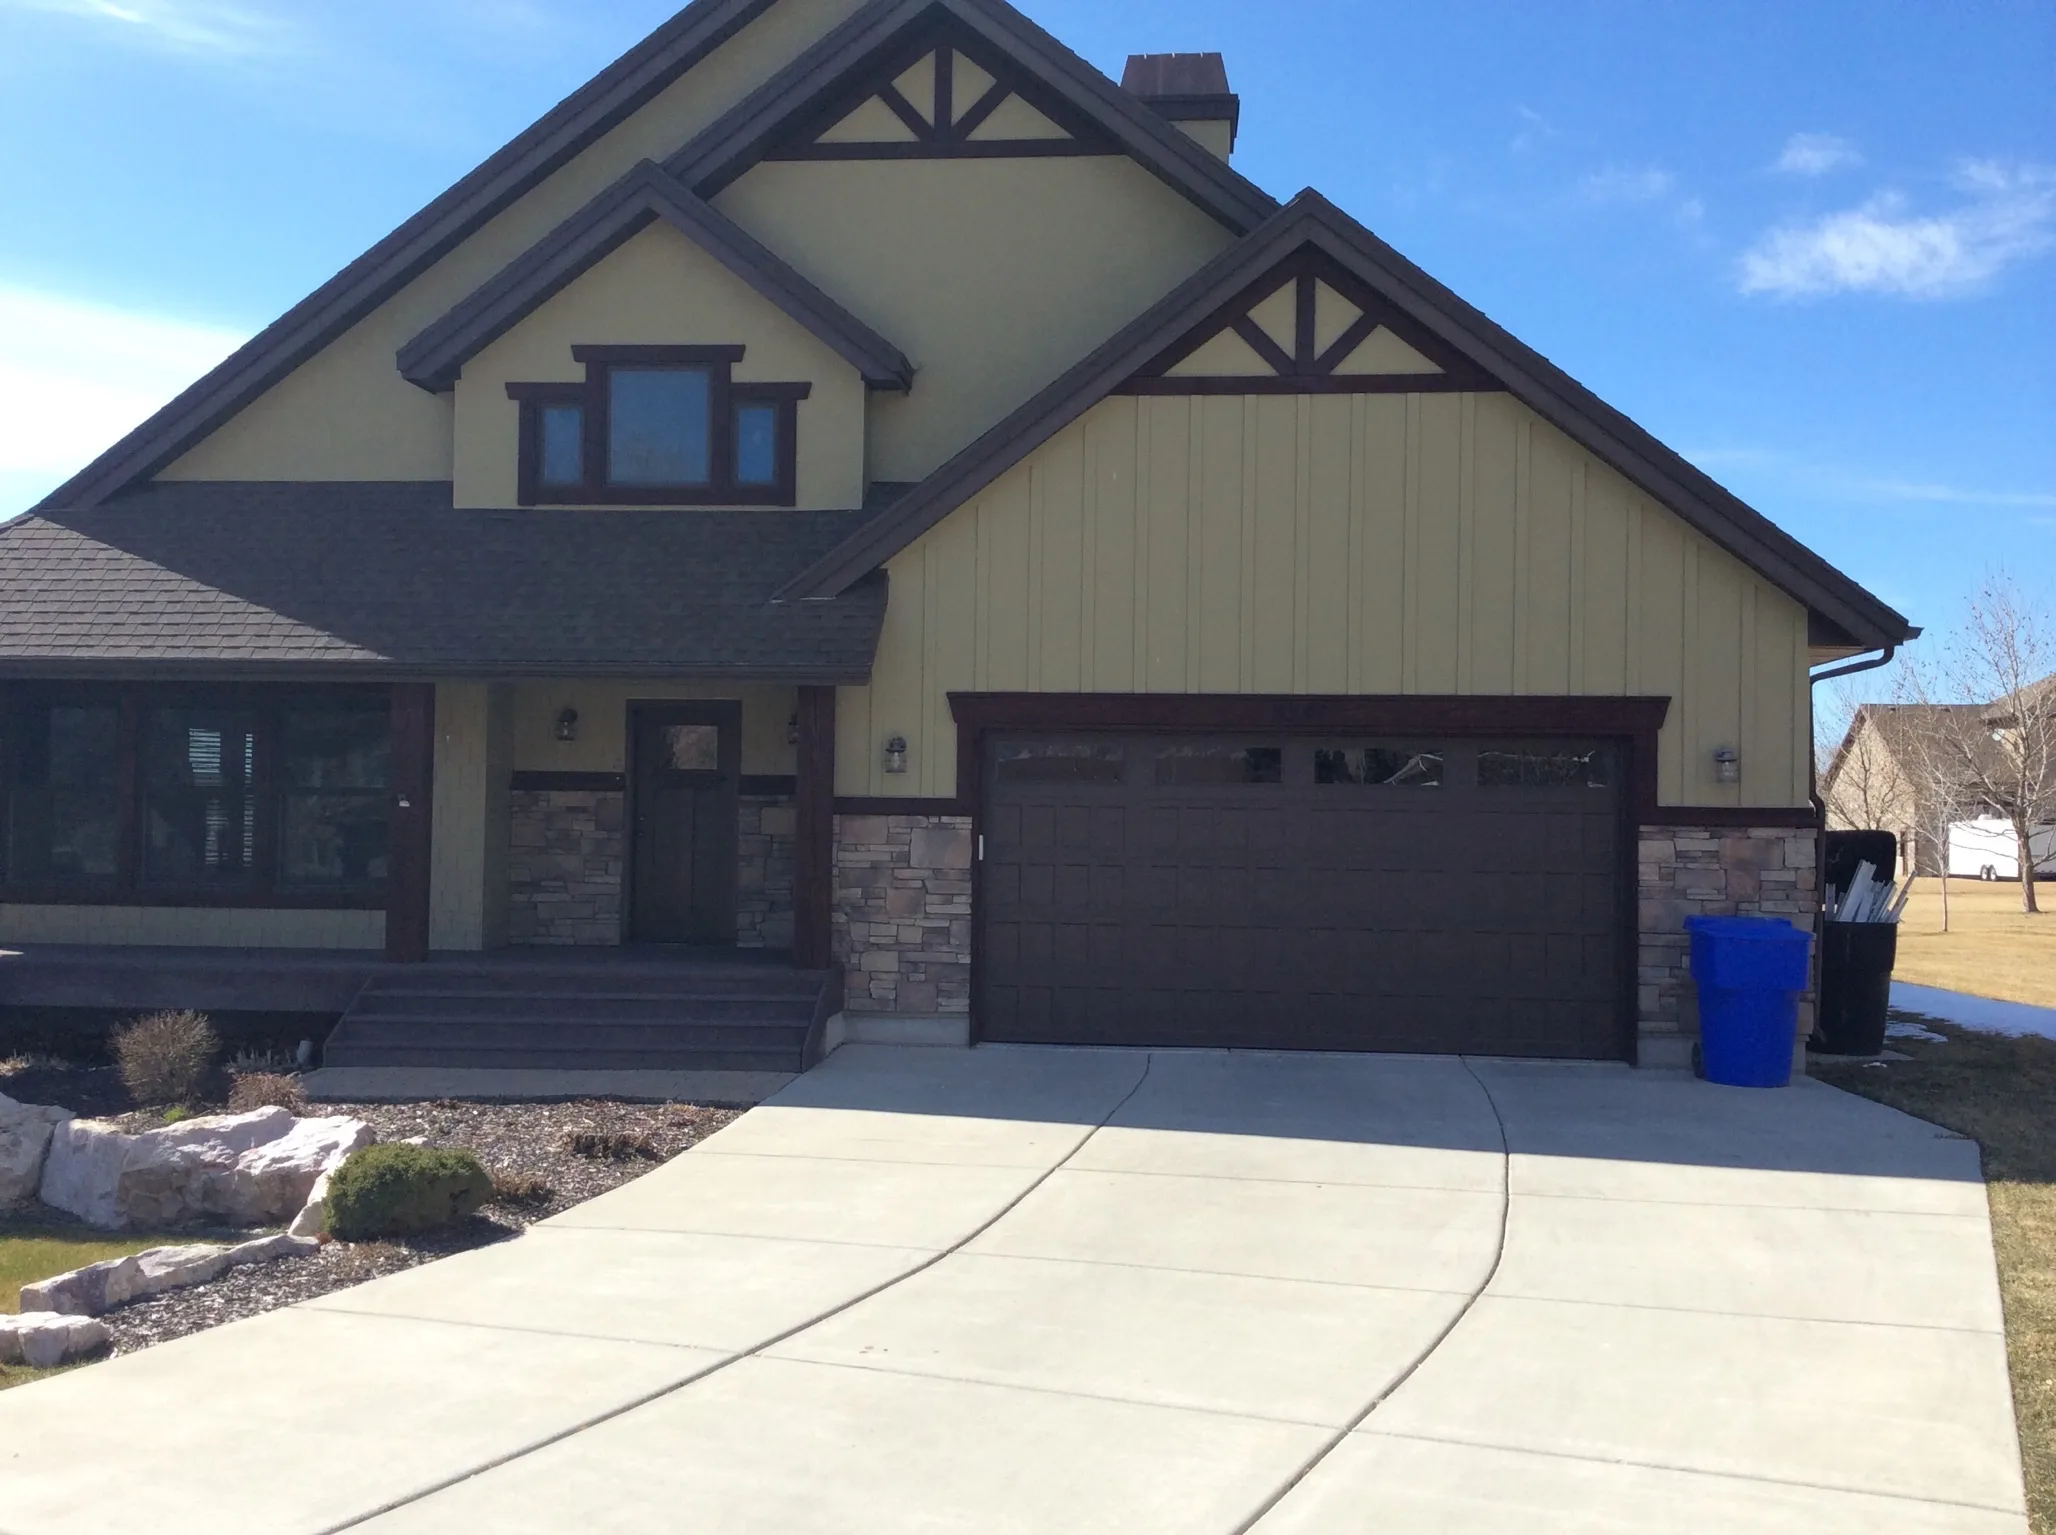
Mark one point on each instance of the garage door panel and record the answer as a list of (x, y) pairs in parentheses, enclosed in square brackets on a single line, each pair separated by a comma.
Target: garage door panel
[(1209, 893)]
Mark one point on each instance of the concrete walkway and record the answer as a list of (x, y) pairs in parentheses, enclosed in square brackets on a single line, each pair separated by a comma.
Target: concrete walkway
[(1073, 1291)]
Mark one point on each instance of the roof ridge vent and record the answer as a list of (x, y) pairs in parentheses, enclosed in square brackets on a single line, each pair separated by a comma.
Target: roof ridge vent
[(1191, 90)]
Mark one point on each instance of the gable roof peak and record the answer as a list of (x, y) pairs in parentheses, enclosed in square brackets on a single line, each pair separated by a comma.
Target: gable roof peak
[(645, 194)]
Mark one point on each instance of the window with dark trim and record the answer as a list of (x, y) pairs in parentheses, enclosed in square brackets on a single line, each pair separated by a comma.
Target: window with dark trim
[(195, 796), (659, 426)]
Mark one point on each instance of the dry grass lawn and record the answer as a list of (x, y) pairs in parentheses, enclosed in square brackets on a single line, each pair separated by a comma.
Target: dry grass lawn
[(1992, 948), (2002, 1093), (30, 1251)]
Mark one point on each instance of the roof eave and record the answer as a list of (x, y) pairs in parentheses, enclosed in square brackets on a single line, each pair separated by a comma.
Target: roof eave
[(434, 359)]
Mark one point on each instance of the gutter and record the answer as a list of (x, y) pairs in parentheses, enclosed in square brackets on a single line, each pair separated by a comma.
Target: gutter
[(1851, 668)]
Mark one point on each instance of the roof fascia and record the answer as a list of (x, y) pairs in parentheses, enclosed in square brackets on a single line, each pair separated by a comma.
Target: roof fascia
[(1544, 388), (552, 141), (727, 148), (436, 357)]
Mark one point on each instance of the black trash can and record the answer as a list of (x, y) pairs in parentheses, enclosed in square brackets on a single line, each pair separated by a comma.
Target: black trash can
[(1855, 986)]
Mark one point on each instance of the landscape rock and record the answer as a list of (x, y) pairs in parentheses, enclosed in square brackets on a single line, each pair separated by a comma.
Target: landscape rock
[(312, 1220), (266, 1249), (240, 1168), (43, 1339), (25, 1132), (178, 1268), (274, 1180), (90, 1291)]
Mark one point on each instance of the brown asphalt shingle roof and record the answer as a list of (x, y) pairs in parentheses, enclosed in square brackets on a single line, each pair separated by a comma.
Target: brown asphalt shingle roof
[(380, 580)]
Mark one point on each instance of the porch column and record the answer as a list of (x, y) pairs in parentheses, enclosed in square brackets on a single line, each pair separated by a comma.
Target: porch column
[(813, 861), (407, 866)]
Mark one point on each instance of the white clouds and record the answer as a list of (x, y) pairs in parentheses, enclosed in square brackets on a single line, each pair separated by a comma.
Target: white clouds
[(220, 27), (1615, 185), (75, 376), (1883, 246), (1815, 154)]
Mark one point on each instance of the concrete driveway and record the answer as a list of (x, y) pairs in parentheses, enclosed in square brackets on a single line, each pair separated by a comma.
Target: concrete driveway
[(1014, 1290)]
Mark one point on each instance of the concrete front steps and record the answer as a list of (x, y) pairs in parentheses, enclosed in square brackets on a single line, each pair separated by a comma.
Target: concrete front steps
[(618, 1012)]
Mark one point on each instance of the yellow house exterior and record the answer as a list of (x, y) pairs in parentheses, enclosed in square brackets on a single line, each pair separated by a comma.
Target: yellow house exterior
[(854, 482)]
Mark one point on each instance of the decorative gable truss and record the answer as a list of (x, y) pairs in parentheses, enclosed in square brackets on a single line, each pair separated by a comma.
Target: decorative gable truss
[(1308, 327), (942, 93)]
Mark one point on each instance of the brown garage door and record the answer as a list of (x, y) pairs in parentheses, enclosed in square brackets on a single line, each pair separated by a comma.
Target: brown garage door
[(1415, 895)]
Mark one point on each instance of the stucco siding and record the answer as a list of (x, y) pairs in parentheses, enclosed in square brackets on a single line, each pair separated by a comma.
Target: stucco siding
[(347, 414), (660, 289), (468, 863), (992, 275), (198, 927), (602, 705), (1437, 543)]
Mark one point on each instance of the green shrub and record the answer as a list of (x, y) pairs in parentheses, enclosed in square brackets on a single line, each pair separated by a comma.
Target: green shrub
[(166, 1057), (393, 1191)]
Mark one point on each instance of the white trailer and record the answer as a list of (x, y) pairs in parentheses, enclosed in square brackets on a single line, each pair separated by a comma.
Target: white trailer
[(1987, 849)]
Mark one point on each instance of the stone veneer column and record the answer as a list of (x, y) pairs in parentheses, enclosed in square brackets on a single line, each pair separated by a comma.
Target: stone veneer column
[(763, 872), (565, 867), (903, 913), (1691, 871)]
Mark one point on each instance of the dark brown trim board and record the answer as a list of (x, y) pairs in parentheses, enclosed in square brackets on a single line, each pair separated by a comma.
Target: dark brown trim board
[(813, 862), (1065, 88), (434, 358), (552, 142), (886, 805), (770, 785), (568, 783), (413, 824), (1310, 221)]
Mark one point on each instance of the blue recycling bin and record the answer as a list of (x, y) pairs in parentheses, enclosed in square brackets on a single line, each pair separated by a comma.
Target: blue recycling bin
[(1749, 971)]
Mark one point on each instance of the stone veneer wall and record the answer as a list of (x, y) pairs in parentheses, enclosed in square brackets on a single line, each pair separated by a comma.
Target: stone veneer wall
[(1691, 871), (903, 913), (763, 872), (566, 862)]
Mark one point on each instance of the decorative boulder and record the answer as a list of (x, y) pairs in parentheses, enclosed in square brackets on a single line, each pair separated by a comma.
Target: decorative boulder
[(25, 1132), (272, 1181), (244, 1169), (90, 1291), (43, 1339)]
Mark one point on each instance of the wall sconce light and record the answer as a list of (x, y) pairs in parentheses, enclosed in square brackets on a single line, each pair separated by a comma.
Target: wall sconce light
[(1727, 765), (792, 731), (567, 725), (896, 755)]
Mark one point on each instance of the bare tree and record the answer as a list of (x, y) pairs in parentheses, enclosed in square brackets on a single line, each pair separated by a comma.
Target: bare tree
[(2006, 753), (1926, 737)]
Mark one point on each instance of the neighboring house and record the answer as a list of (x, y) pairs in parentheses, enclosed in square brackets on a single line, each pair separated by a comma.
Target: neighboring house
[(1894, 771), (853, 478)]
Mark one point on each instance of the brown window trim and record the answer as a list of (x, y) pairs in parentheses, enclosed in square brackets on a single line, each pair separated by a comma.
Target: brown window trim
[(724, 394), (127, 886)]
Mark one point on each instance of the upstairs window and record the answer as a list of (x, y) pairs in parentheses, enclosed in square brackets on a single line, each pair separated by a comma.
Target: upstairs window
[(659, 426)]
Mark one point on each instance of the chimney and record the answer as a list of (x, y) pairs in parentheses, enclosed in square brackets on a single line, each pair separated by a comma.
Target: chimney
[(1191, 89)]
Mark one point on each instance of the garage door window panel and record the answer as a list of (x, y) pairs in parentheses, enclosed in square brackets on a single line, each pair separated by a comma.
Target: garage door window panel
[(1212, 766), (1070, 763), (1378, 767), (1535, 768)]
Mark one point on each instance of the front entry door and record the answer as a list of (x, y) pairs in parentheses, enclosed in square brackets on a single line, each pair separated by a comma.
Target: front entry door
[(688, 758)]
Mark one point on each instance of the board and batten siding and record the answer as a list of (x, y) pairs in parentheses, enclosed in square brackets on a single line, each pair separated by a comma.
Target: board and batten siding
[(1369, 544), (206, 927)]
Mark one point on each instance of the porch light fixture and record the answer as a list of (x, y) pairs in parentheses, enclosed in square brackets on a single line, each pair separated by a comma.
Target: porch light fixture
[(1727, 765), (567, 725), (896, 755)]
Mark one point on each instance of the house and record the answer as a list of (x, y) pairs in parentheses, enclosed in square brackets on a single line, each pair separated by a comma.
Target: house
[(1926, 772), (855, 480)]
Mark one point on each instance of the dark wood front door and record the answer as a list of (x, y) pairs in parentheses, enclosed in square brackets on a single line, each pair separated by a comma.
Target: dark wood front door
[(688, 758), (1286, 893)]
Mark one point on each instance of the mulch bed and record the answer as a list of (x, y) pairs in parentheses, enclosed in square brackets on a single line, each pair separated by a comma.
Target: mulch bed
[(521, 1142)]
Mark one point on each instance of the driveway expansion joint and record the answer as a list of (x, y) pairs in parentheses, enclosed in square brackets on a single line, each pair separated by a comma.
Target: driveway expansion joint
[(1356, 1424), (357, 1521)]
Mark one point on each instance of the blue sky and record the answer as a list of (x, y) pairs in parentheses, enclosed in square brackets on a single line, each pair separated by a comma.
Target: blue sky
[(1811, 246)]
